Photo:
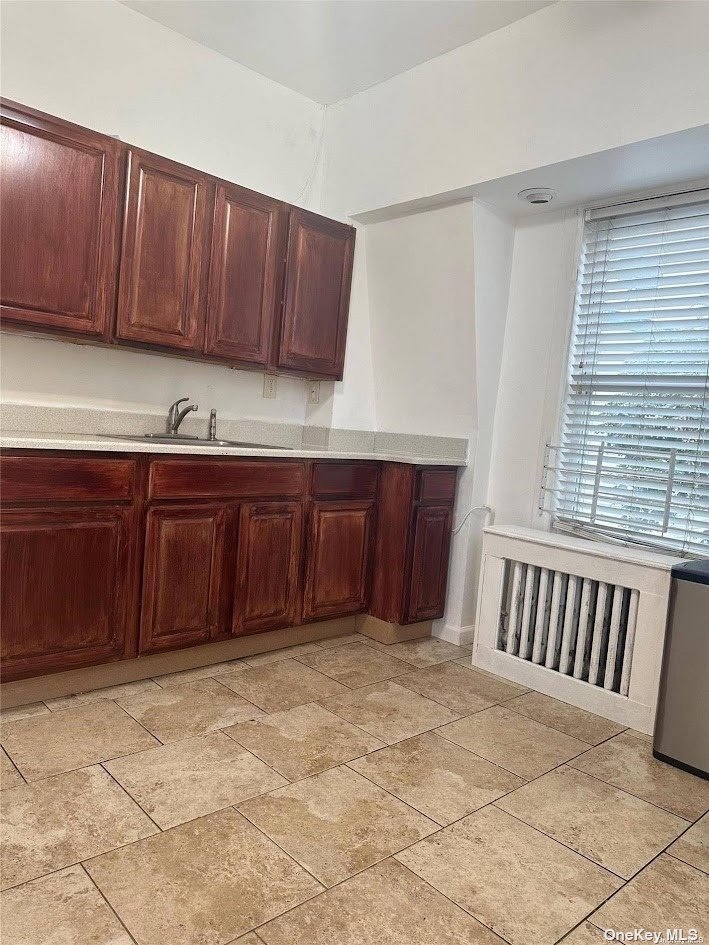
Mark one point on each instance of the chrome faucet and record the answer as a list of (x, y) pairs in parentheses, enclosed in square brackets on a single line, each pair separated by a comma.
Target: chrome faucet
[(175, 416)]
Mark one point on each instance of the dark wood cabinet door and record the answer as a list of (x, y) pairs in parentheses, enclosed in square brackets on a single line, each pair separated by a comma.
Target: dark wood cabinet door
[(338, 559), (429, 567), (182, 576), (245, 274), (58, 227), (161, 296), (317, 294), (268, 566), (68, 589)]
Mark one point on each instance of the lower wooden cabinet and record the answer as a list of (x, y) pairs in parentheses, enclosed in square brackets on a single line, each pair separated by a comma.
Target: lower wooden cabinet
[(182, 576), (268, 566), (429, 566), (67, 587), (338, 559), (103, 557)]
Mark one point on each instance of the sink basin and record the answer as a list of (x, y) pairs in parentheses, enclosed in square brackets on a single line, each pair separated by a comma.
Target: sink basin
[(187, 440)]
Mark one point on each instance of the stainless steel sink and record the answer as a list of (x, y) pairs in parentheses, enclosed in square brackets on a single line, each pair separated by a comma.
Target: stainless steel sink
[(180, 439)]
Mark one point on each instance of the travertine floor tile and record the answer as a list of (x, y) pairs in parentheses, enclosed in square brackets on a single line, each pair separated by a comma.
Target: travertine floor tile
[(436, 777), (22, 712), (626, 762), (251, 938), (62, 741), (523, 885), (693, 846), (199, 672), (190, 709), (96, 695), (336, 823), (193, 777), (427, 651), (667, 894), (449, 684), (10, 777), (521, 745), (390, 712), (202, 883), (612, 828), (566, 718), (386, 905), (489, 686), (282, 685), (585, 934), (355, 664), (64, 819), (303, 741), (64, 908), (288, 652), (343, 639)]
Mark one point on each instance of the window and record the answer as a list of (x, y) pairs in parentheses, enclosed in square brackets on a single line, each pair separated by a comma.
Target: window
[(633, 458)]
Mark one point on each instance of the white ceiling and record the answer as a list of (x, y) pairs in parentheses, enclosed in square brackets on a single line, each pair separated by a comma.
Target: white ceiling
[(330, 49)]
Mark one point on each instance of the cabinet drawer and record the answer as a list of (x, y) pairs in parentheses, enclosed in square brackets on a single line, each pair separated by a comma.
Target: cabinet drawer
[(437, 485), (66, 479), (345, 480), (179, 479)]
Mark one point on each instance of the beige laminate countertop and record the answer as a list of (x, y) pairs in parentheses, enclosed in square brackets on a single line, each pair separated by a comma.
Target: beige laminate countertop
[(108, 444)]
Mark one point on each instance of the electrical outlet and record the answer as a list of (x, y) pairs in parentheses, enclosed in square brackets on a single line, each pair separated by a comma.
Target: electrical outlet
[(313, 392), (270, 382)]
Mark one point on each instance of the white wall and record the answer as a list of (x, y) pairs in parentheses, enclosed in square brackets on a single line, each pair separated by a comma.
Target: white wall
[(420, 277), (107, 67), (533, 363), (569, 80)]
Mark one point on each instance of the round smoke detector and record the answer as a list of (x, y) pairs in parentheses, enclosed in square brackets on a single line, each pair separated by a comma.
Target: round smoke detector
[(537, 195)]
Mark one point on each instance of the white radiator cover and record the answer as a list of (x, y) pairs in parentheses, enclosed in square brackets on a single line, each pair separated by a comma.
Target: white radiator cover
[(581, 621)]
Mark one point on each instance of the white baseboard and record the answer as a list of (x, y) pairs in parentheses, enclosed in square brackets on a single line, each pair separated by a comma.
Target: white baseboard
[(461, 636)]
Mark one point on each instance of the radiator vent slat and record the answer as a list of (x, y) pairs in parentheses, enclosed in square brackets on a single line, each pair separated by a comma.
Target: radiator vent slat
[(570, 624)]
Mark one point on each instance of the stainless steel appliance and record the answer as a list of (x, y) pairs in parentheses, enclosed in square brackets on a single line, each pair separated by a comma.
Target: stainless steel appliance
[(682, 722)]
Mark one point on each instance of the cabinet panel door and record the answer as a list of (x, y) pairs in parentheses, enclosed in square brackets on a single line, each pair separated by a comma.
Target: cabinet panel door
[(67, 588), (244, 294), (338, 559), (317, 294), (58, 225), (429, 569), (268, 567), (182, 576), (163, 258)]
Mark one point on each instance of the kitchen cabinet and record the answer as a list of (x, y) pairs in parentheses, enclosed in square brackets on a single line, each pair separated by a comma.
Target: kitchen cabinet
[(68, 552), (59, 225), (413, 542), (316, 296), (267, 593), (181, 261), (162, 288), (338, 561), (245, 273), (183, 576), (429, 562), (107, 556)]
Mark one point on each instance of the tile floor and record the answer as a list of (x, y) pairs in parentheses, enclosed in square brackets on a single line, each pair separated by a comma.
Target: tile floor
[(340, 793)]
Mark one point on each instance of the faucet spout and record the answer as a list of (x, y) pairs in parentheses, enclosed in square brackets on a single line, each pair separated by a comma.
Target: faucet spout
[(175, 416)]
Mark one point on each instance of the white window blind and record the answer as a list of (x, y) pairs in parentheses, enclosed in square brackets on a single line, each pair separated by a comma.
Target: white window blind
[(633, 456)]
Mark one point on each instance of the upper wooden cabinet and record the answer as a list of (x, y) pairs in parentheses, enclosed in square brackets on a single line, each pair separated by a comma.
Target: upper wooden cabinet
[(163, 258), (248, 242), (183, 262), (317, 294), (58, 224)]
